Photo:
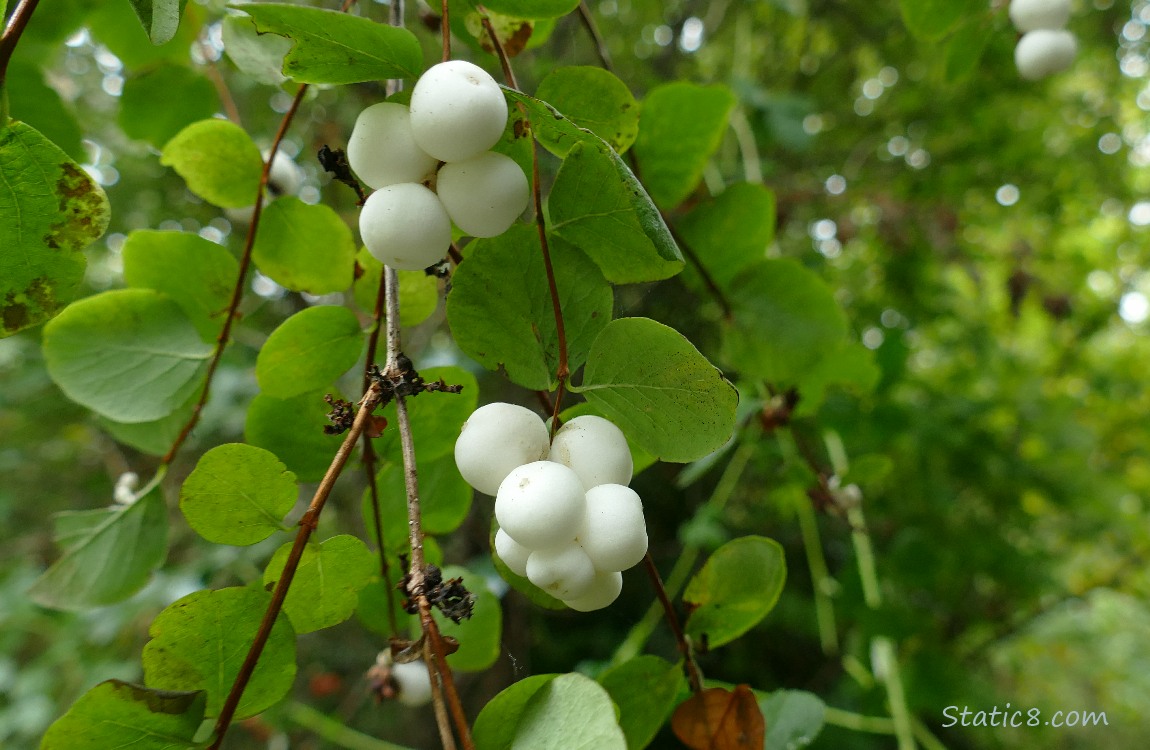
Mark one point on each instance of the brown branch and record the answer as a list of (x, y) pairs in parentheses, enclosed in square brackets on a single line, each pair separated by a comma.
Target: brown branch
[(227, 101), (435, 647), (600, 43), (241, 277), (504, 60), (307, 525), (445, 27), (8, 40), (693, 677)]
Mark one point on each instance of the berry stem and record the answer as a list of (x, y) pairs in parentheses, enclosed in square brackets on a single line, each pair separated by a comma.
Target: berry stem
[(445, 28), (694, 678), (597, 38)]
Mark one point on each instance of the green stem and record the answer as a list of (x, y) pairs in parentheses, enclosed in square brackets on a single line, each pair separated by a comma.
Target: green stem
[(864, 554), (334, 730), (857, 722), (820, 577), (887, 668)]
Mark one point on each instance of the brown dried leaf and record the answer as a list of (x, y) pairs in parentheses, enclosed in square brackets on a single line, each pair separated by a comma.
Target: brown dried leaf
[(720, 719)]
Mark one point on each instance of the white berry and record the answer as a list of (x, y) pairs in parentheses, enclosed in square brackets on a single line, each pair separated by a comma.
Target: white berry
[(1044, 52), (513, 554), (413, 682), (563, 572), (495, 439), (541, 505), (1028, 15), (595, 448), (405, 226), (457, 111), (615, 536), (485, 194), (604, 589), (382, 151)]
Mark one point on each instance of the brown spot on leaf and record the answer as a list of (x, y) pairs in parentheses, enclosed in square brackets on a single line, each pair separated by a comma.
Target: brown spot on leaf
[(83, 210), (28, 307)]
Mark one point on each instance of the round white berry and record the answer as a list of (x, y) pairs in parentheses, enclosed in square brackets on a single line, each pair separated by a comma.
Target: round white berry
[(485, 194), (563, 572), (595, 448), (405, 226), (541, 505), (513, 554), (413, 682), (457, 111), (495, 439), (615, 535), (1028, 15), (1043, 52), (382, 151), (604, 589)]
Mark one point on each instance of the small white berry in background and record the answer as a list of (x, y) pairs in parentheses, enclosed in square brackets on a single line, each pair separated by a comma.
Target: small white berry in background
[(1044, 52), (595, 449), (604, 590), (513, 554), (485, 194), (615, 535), (405, 226), (541, 505), (382, 150), (457, 111), (1029, 15), (563, 572), (495, 439), (413, 682)]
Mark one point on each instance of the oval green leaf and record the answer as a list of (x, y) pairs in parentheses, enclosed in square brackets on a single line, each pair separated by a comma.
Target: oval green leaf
[(595, 99), (218, 160), (500, 309), (200, 641), (735, 589), (655, 385), (108, 554), (444, 497), (50, 210), (325, 589), (550, 712), (130, 355), (794, 719), (163, 100), (259, 56), (931, 19), (645, 689), (197, 273), (731, 230), (238, 494), (785, 320), (160, 18), (304, 248), (309, 351), (117, 714), (418, 292), (681, 127), (293, 429), (336, 48)]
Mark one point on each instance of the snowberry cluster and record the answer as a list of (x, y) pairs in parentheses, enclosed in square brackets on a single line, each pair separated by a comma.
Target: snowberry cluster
[(567, 519), (430, 165), (1046, 47)]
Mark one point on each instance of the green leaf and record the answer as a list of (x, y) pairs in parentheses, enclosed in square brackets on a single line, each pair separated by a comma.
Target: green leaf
[(533, 8), (480, 636), (292, 429), (595, 99), (237, 494), (117, 714), (436, 418), (444, 498), (50, 210), (560, 712), (656, 386), (931, 19), (597, 205), (553, 129), (645, 689), (305, 248), (200, 641), (160, 18), (155, 437), (308, 351), (130, 355), (785, 320), (197, 273), (163, 100), (850, 364), (731, 230), (336, 48), (681, 127), (500, 308), (108, 554), (259, 56), (218, 160), (117, 27), (418, 292), (325, 589), (965, 48), (735, 589), (37, 104), (794, 719)]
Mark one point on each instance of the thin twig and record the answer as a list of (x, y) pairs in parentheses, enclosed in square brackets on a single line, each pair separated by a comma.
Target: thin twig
[(435, 674), (600, 43), (307, 524), (504, 60), (708, 280), (241, 277), (16, 25), (227, 101), (445, 27), (694, 679)]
